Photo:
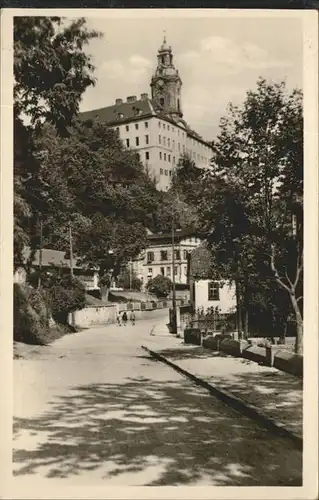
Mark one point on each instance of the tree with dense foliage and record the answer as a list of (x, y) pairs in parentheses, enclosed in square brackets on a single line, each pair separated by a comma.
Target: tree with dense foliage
[(51, 71), (51, 68), (160, 286), (251, 198), (128, 280), (102, 190)]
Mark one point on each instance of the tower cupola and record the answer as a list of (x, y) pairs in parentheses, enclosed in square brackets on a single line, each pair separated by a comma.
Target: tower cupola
[(166, 83)]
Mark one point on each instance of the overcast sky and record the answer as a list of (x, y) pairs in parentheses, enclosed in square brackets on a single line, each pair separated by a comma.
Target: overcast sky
[(219, 59)]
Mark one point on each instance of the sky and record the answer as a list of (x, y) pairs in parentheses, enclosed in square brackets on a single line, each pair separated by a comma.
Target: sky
[(219, 59)]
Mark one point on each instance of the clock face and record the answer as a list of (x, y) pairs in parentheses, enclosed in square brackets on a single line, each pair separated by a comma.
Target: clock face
[(160, 83)]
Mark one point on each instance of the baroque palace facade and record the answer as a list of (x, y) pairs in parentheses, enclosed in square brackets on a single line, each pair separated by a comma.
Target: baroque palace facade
[(154, 127)]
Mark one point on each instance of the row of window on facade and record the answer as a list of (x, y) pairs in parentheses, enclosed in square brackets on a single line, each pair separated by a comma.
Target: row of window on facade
[(168, 271), (168, 127), (164, 255)]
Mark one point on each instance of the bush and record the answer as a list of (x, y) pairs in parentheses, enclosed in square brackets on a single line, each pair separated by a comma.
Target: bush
[(66, 295), (159, 286), (29, 325)]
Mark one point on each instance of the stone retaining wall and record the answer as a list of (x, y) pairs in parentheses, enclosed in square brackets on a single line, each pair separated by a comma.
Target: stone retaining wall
[(269, 356)]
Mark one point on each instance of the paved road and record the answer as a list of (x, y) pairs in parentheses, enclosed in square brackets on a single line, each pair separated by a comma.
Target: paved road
[(95, 407)]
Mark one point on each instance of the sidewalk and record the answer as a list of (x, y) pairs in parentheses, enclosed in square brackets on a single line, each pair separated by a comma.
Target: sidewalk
[(274, 394)]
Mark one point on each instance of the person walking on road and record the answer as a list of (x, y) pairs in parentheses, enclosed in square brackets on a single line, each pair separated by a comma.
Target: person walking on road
[(124, 318), (118, 320), (132, 317)]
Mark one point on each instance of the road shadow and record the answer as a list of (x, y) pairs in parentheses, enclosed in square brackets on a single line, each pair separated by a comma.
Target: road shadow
[(185, 352), (153, 433), (279, 395)]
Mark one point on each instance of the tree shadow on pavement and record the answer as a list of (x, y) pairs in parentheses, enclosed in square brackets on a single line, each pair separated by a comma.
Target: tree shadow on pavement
[(190, 352), (278, 394), (150, 432)]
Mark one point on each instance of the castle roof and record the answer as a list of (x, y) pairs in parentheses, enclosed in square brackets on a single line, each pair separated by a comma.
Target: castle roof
[(122, 112), (136, 109)]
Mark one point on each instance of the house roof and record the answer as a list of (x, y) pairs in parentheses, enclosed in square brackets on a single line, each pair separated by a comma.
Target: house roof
[(135, 110), (201, 264), (164, 237), (50, 258)]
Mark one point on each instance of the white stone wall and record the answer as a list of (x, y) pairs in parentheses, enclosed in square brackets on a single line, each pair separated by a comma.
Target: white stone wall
[(227, 297), (90, 316)]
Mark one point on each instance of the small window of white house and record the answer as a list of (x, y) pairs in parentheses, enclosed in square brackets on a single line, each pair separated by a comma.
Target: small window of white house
[(127, 128), (213, 290), (147, 155)]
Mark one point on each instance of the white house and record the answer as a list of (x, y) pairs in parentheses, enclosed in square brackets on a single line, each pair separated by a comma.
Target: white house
[(207, 288)]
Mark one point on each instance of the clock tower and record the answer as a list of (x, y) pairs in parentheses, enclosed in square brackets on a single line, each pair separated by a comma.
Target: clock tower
[(166, 83)]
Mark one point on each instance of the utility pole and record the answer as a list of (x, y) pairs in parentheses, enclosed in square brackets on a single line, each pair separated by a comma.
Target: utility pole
[(40, 253), (130, 270), (174, 325), (71, 248), (71, 266)]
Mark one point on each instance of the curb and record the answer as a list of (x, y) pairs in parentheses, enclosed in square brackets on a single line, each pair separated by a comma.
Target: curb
[(234, 402)]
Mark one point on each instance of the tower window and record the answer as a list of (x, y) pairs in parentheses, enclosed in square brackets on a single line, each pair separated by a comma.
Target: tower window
[(128, 143), (137, 141), (146, 139), (163, 59), (147, 155), (146, 124), (162, 101), (127, 128), (136, 126)]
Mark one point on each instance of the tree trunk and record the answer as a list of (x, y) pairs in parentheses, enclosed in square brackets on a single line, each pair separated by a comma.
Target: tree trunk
[(299, 330), (246, 332), (239, 311), (104, 291)]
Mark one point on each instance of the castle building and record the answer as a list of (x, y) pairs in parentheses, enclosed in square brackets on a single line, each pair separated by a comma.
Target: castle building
[(154, 127)]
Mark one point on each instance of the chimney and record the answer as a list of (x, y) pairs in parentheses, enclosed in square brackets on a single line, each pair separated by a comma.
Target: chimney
[(144, 97), (118, 101), (131, 98)]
